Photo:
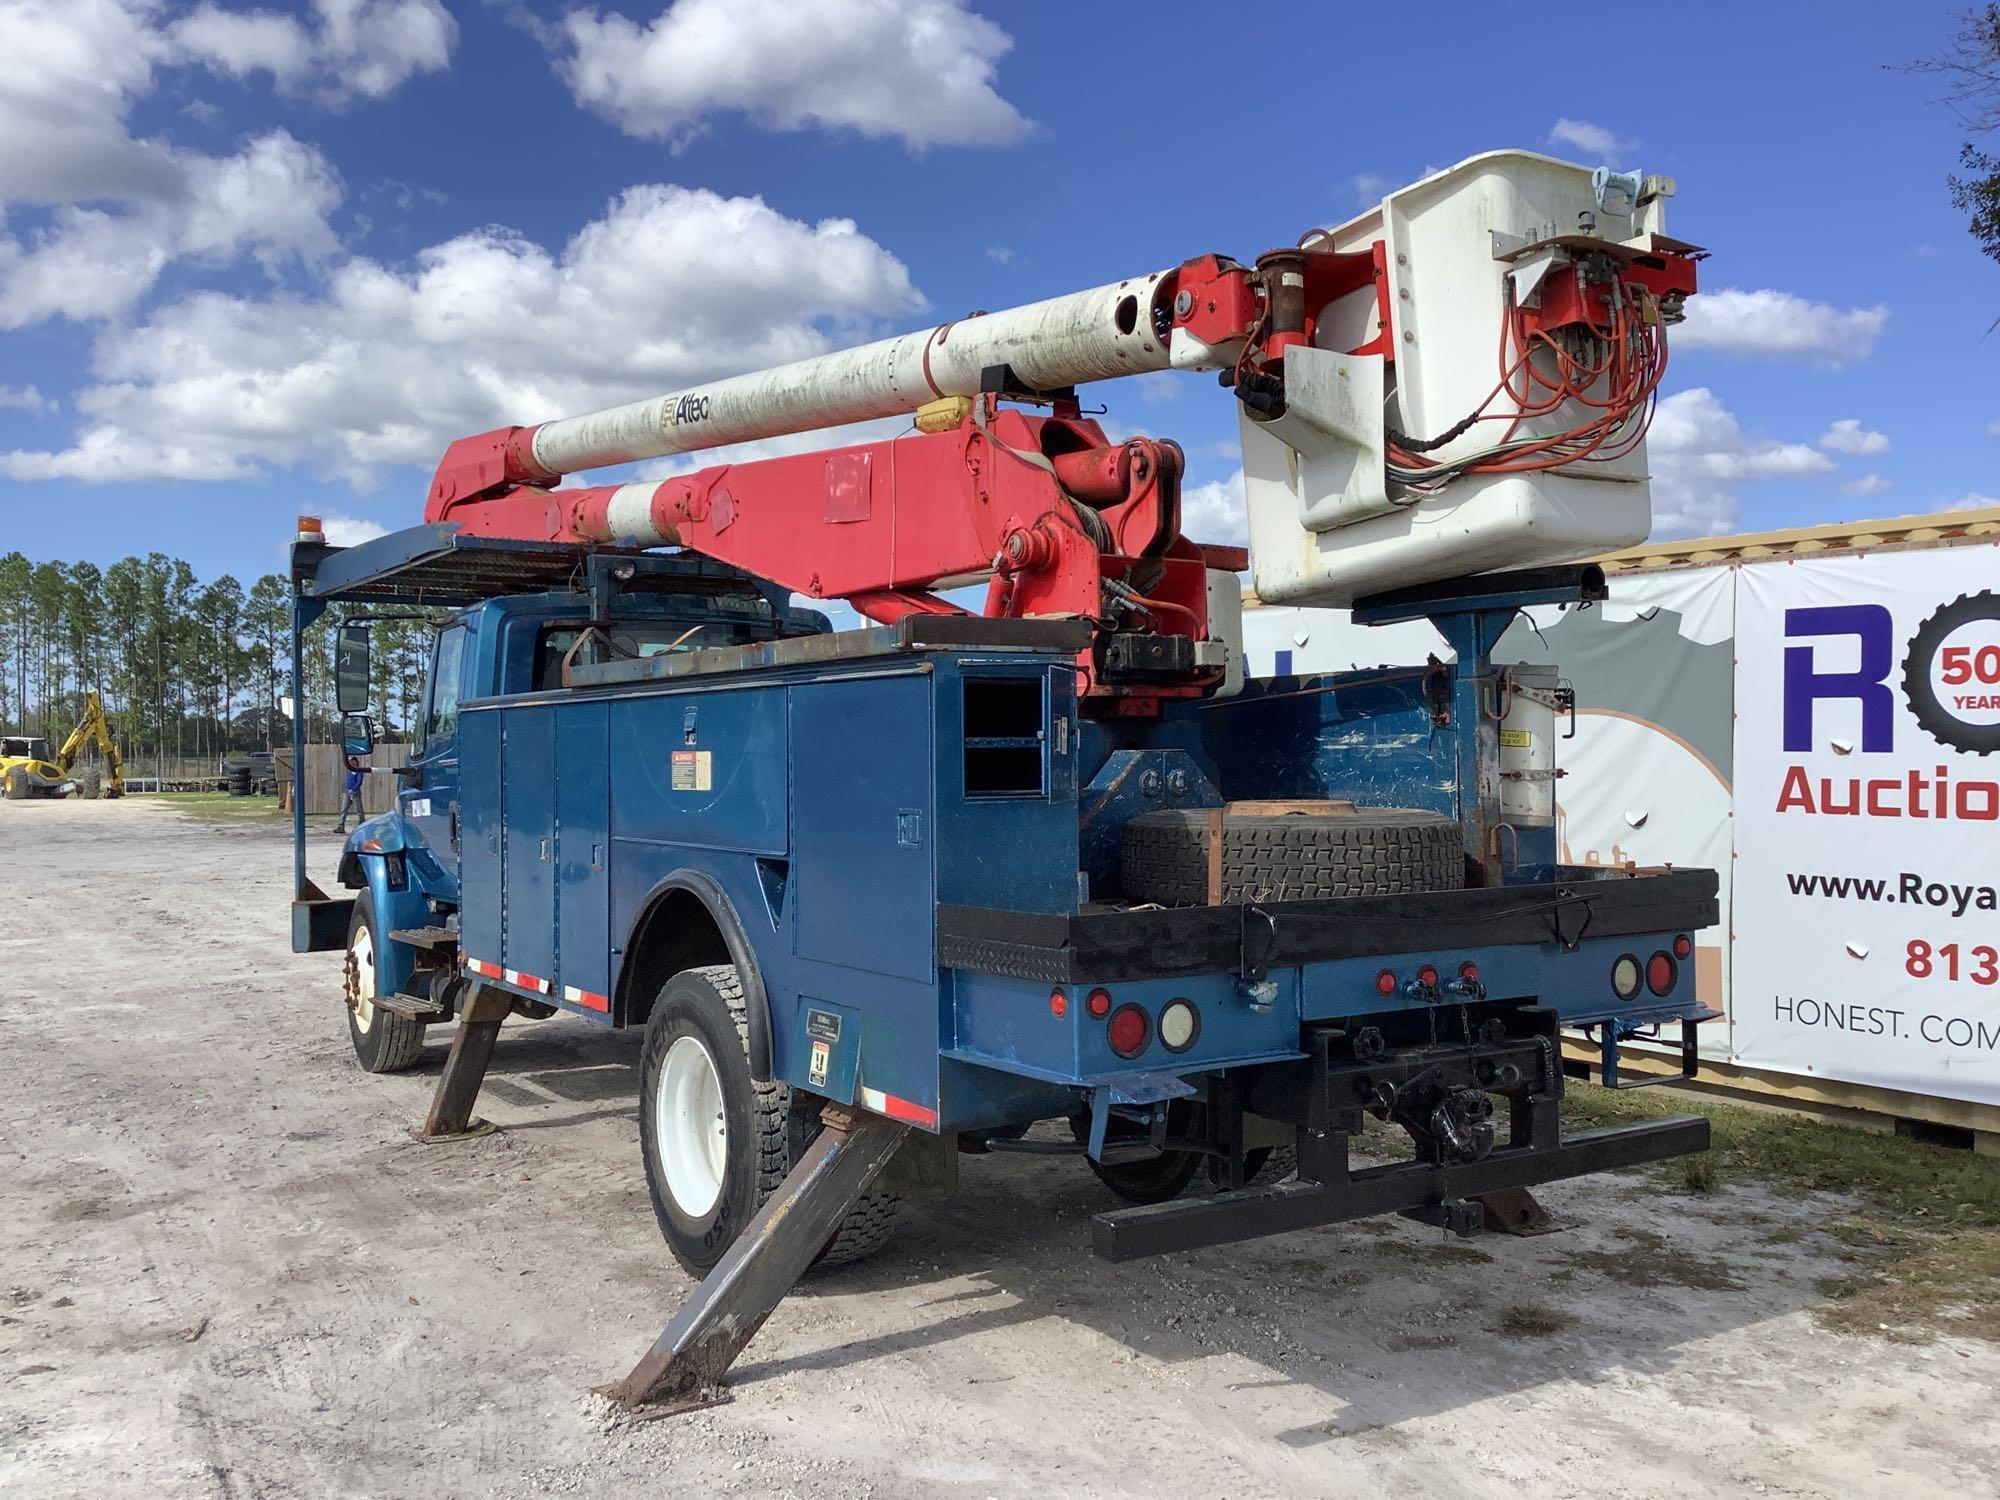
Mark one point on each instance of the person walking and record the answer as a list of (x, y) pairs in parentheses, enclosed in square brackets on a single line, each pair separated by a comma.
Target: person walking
[(351, 798)]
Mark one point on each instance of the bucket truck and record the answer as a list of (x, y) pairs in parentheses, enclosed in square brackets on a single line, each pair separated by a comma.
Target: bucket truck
[(886, 898)]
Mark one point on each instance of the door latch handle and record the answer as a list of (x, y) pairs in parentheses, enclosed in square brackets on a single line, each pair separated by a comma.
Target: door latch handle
[(545, 851)]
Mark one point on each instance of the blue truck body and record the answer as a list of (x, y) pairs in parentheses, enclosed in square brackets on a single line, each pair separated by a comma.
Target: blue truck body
[(906, 841)]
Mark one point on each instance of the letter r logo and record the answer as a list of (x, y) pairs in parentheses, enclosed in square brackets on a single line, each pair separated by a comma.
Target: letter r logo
[(1872, 626)]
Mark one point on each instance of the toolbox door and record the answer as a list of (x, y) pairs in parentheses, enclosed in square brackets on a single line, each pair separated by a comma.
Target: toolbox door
[(480, 832), (861, 822), (528, 940), (583, 842)]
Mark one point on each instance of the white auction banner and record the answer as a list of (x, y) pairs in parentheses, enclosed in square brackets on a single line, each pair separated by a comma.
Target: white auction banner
[(1866, 941)]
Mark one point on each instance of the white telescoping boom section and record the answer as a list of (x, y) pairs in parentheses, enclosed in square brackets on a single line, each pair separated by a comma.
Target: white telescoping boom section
[(1455, 382), (1064, 341)]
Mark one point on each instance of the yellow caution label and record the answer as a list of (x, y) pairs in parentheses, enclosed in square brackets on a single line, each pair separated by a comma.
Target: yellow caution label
[(1517, 739)]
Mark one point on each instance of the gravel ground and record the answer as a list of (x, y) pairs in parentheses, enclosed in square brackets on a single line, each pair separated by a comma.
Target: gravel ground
[(227, 1269)]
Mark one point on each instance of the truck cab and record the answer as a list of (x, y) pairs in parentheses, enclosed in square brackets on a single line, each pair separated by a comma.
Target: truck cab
[(407, 861)]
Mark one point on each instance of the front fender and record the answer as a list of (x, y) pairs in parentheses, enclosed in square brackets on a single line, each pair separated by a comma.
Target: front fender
[(378, 854)]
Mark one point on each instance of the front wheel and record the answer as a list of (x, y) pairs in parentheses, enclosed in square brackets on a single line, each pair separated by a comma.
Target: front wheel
[(384, 1042), (716, 1142)]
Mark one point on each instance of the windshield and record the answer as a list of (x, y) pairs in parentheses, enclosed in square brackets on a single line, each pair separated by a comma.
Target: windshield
[(637, 638), (18, 745)]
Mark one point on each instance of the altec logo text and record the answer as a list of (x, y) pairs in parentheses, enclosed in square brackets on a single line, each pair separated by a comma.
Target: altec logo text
[(1945, 672)]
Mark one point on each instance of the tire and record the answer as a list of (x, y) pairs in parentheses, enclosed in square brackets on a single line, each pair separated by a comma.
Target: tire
[(384, 1042), (1290, 855), (18, 785), (1166, 1177), (695, 1072), (90, 785), (1156, 1180)]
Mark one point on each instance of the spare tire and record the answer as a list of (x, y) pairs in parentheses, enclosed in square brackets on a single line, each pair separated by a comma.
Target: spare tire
[(1291, 851)]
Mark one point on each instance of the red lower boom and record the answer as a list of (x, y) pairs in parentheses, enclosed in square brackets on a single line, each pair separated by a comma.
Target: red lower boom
[(1066, 523)]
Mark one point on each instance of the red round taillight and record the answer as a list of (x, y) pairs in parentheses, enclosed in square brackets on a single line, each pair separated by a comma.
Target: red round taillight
[(1468, 970), (1128, 1030), (1385, 983), (1661, 972), (1098, 1003), (1428, 974), (1058, 1004), (1683, 946)]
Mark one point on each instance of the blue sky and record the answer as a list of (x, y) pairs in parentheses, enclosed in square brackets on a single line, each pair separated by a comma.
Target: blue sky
[(262, 261)]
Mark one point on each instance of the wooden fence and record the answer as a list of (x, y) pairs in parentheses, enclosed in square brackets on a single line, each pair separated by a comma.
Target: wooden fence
[(326, 770)]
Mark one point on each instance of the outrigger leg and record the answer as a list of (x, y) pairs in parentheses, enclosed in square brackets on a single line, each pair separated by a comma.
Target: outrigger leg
[(684, 1368), (479, 1021)]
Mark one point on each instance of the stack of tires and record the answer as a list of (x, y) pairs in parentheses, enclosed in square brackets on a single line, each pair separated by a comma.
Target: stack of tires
[(237, 779)]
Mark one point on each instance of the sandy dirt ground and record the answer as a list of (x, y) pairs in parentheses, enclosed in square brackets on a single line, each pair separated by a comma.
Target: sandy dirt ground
[(227, 1269)]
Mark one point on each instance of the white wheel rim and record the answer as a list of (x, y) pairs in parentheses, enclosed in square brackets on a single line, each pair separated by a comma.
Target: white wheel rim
[(361, 978), (690, 1134)]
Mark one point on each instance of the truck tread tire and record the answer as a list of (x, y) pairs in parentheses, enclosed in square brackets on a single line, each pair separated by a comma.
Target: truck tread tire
[(388, 1043), (90, 786), (1291, 856), (18, 785), (1157, 1179), (763, 1135)]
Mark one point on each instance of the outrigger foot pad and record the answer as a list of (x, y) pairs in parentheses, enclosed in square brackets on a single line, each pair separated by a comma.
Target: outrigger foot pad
[(1519, 1212), (451, 1118), (685, 1366)]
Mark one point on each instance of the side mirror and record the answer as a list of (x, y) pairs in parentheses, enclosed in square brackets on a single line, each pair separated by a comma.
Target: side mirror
[(350, 670), (357, 735)]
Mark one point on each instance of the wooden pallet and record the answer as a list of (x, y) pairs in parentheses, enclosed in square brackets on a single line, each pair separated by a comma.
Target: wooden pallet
[(1863, 1106)]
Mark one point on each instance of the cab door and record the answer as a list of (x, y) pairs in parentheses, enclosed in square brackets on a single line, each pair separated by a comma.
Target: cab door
[(429, 799)]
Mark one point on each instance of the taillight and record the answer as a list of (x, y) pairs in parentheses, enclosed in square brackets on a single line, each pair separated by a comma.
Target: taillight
[(1180, 1024), (1661, 972), (1683, 946), (1428, 974), (1128, 1030), (1098, 1003), (1385, 983), (1058, 1004), (1625, 977), (1469, 970)]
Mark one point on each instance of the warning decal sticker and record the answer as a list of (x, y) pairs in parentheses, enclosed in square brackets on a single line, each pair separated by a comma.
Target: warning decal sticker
[(693, 771)]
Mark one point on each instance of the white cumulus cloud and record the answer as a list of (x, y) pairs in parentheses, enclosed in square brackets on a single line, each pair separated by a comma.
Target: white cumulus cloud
[(1215, 512), (919, 71), (1699, 455), (1866, 485), (121, 208), (387, 364), (1767, 324), (350, 531), (366, 48), (1971, 500), (1591, 140), (24, 398), (270, 200), (1850, 437)]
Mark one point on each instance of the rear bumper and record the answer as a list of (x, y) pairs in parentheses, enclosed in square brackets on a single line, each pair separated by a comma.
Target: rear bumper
[(1251, 939), (1419, 1189)]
